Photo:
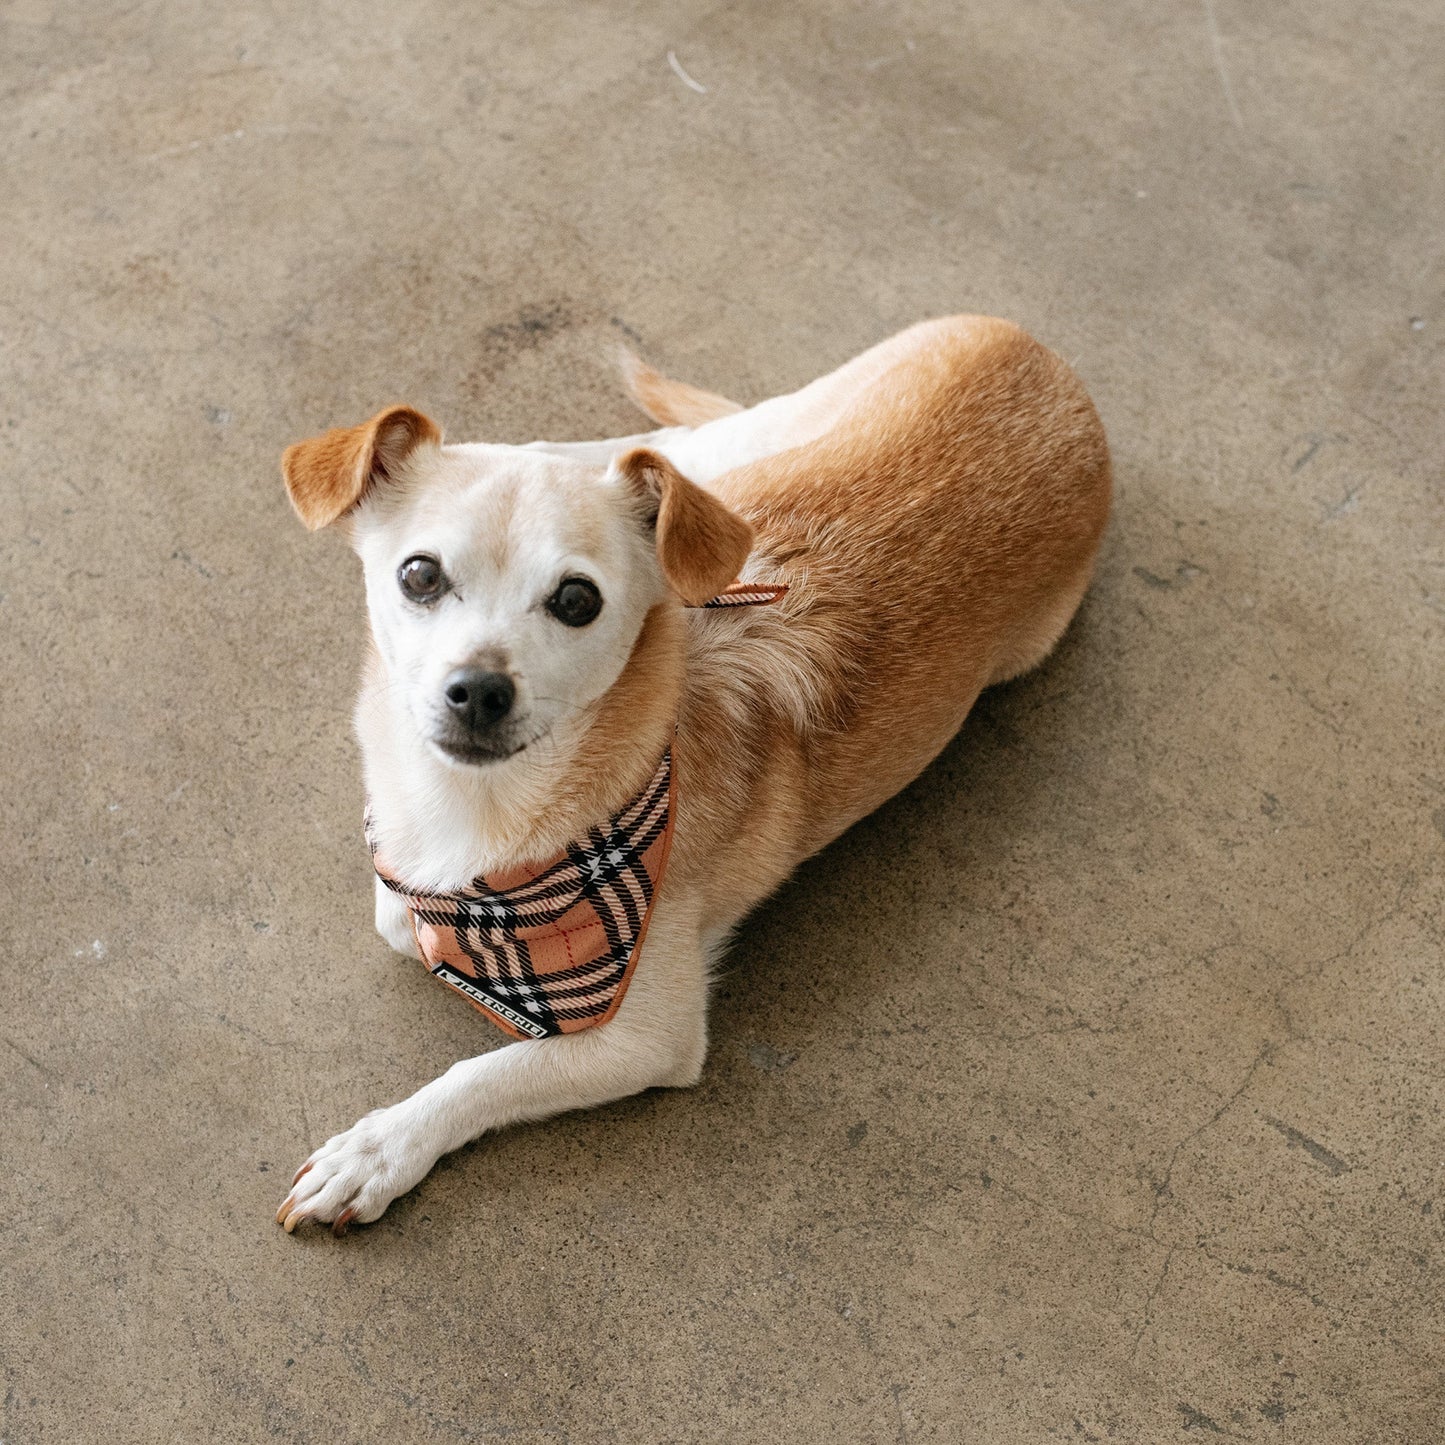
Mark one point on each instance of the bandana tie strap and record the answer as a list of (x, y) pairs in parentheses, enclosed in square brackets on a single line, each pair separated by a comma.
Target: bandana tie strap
[(748, 594)]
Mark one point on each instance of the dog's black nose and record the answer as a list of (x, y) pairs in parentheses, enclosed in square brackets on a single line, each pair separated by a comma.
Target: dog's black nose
[(479, 699)]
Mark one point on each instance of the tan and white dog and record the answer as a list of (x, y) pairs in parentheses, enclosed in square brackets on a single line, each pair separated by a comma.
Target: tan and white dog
[(934, 506)]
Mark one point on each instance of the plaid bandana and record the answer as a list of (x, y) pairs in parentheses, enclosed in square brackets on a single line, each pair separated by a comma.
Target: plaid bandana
[(551, 950)]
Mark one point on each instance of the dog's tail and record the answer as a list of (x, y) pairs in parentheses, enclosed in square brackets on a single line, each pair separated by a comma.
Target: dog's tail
[(669, 402)]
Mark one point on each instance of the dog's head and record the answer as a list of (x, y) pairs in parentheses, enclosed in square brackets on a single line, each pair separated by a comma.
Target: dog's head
[(507, 587)]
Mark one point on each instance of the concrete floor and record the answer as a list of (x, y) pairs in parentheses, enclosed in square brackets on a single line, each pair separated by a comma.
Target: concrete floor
[(1093, 1089)]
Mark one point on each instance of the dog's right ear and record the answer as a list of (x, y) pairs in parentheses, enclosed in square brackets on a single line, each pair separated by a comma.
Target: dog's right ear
[(328, 475), (701, 543)]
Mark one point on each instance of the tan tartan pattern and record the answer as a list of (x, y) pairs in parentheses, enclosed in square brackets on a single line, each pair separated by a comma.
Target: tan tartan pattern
[(551, 950)]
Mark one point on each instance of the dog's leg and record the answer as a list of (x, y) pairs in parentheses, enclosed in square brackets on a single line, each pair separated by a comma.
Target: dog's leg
[(393, 921), (602, 452), (703, 435), (721, 438), (700, 453), (658, 1037), (703, 453)]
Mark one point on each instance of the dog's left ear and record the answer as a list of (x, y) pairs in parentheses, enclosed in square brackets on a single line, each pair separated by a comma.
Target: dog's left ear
[(701, 544), (328, 475)]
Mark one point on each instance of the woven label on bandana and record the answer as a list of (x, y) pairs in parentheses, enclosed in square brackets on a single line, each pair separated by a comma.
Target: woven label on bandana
[(551, 950)]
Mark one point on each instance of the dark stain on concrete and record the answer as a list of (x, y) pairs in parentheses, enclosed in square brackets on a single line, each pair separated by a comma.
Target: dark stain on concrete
[(1313, 1148), (1198, 1420), (531, 326), (769, 1059), (631, 333), (1184, 574)]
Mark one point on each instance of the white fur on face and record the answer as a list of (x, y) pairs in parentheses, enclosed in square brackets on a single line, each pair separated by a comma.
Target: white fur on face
[(508, 526)]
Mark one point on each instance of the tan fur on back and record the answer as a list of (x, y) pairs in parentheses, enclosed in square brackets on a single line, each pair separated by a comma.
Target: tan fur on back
[(937, 539)]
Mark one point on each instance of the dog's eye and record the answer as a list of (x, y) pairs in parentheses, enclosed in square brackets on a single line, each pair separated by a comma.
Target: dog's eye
[(576, 602), (421, 578)]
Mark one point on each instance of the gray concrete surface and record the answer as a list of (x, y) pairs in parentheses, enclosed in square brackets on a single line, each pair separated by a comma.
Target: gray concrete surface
[(1090, 1091)]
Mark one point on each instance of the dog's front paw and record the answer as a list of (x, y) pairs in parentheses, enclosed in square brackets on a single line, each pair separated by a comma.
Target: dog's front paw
[(355, 1175)]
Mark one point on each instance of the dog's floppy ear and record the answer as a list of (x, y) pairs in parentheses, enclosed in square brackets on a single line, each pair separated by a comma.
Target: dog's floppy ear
[(328, 475), (701, 545)]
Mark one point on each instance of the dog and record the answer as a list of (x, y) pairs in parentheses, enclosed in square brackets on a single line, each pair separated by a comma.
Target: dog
[(584, 766)]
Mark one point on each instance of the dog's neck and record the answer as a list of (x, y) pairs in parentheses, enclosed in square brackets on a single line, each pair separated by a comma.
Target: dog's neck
[(440, 825)]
